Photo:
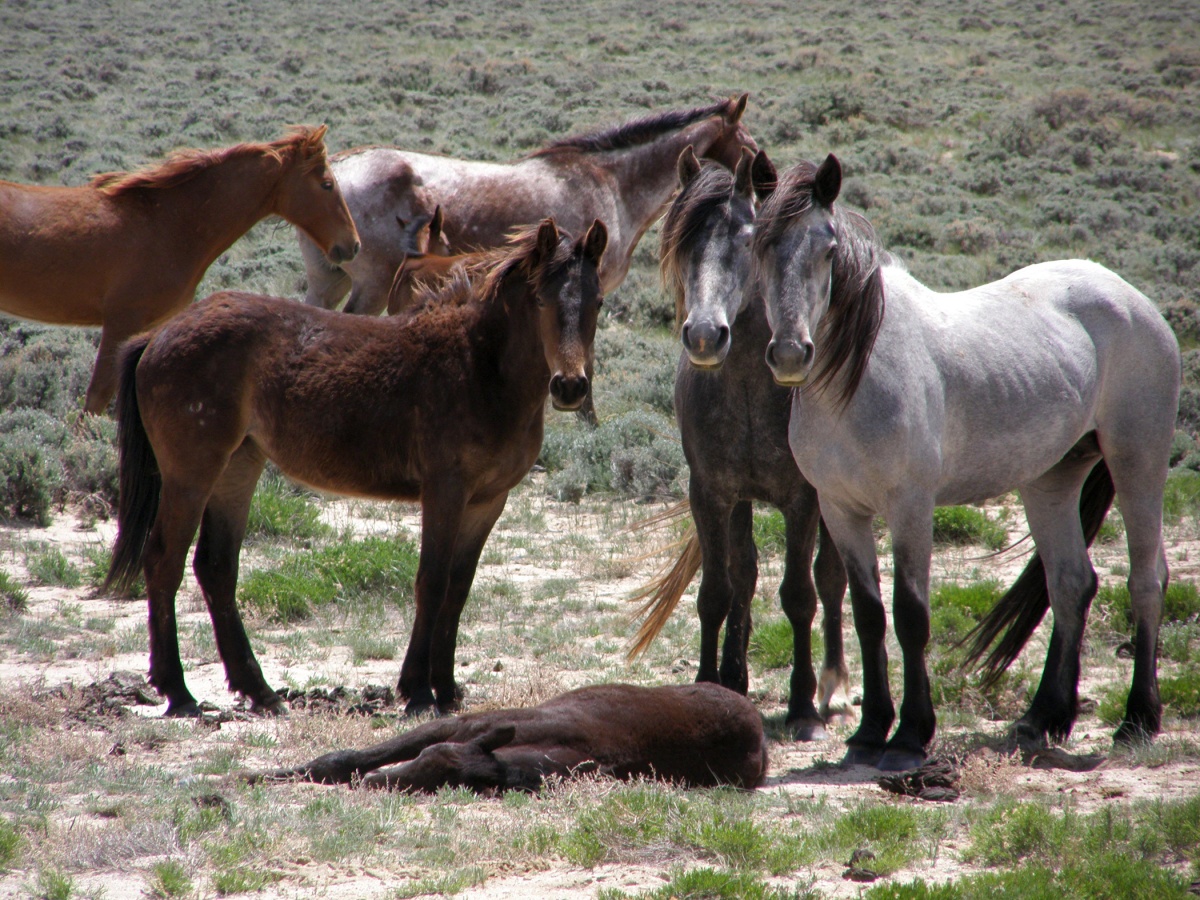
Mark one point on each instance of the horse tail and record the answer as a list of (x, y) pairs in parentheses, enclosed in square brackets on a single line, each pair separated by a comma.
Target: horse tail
[(138, 476), (662, 595), (1021, 609)]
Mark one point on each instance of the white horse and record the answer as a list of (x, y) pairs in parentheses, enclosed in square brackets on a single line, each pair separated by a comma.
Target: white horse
[(1029, 383)]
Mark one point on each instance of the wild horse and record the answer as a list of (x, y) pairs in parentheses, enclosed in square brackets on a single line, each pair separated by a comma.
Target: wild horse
[(698, 735), (906, 399), (127, 251), (446, 408), (623, 175), (733, 420)]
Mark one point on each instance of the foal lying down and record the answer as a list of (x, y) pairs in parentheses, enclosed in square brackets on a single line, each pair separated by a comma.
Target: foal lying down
[(697, 735)]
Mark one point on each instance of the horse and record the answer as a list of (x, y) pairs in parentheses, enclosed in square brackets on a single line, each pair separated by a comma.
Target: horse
[(623, 175), (127, 251), (733, 420), (1060, 381), (446, 408), (699, 735)]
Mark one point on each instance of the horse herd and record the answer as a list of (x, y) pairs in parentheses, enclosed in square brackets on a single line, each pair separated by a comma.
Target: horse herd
[(816, 375)]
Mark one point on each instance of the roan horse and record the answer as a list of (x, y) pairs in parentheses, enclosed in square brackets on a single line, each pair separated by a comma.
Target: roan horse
[(446, 408), (624, 176), (127, 251), (1030, 383), (733, 420), (697, 735)]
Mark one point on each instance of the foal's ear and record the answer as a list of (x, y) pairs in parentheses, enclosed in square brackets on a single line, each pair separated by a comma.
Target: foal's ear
[(688, 166), (498, 737), (595, 241), (763, 175), (735, 108), (435, 226), (742, 183), (828, 181), (547, 240)]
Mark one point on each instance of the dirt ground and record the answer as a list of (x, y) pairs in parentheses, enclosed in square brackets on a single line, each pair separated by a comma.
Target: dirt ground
[(800, 770)]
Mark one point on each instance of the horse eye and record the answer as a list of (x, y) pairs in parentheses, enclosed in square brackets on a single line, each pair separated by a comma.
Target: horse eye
[(327, 185)]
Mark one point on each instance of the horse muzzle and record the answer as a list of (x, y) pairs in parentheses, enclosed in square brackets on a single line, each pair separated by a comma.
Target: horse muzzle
[(790, 360), (567, 392), (706, 343), (343, 253)]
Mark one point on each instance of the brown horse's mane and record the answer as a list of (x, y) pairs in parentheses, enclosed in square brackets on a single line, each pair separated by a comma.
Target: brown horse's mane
[(634, 133), (306, 143), (712, 187), (848, 330)]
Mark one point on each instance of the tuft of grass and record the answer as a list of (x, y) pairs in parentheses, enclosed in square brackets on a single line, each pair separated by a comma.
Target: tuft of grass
[(241, 880), (12, 843), (53, 885), (772, 644), (346, 572), (168, 879), (965, 526), (1181, 496), (712, 884), (636, 816), (281, 509), (770, 532), (15, 597), (1181, 604), (448, 884), (897, 835), (52, 567), (957, 608)]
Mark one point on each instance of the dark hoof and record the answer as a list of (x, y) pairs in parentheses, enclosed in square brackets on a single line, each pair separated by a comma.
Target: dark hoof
[(1133, 734), (186, 709), (423, 707), (862, 756), (807, 730), (900, 761), (1028, 738), (272, 706)]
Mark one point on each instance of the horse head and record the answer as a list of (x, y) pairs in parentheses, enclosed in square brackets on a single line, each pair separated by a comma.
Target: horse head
[(704, 254), (566, 283), (308, 196), (733, 137)]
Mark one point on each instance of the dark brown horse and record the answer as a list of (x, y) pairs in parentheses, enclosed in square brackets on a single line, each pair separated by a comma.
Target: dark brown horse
[(446, 408), (623, 175), (698, 735), (127, 251)]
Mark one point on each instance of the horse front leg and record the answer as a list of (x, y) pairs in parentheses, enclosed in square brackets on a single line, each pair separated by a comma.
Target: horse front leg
[(798, 595), (443, 502), (477, 524), (743, 577), (830, 576), (912, 550), (715, 596), (856, 545)]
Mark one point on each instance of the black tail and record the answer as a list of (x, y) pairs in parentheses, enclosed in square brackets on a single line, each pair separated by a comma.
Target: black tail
[(1020, 610), (139, 478)]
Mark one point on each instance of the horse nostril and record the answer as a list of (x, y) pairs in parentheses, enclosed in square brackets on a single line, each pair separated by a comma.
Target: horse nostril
[(807, 351), (722, 338), (685, 335)]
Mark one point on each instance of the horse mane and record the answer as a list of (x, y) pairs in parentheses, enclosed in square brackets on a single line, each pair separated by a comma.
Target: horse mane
[(848, 330), (305, 143), (692, 208), (633, 133)]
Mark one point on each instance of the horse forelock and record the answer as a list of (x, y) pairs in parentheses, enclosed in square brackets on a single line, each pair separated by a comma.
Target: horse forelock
[(684, 223), (846, 334), (633, 133), (303, 143)]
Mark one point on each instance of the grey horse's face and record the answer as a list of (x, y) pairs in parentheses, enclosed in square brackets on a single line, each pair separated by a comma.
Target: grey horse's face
[(795, 273), (717, 270)]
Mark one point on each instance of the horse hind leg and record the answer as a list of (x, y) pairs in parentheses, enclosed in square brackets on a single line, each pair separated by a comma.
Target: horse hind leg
[(222, 529)]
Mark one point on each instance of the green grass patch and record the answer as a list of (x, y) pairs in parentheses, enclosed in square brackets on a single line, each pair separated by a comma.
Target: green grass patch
[(967, 526), (12, 844), (281, 509), (897, 835), (711, 884), (52, 567), (772, 644), (1181, 604), (168, 879), (13, 595), (770, 532), (1181, 496), (346, 572), (447, 884), (954, 609), (633, 817)]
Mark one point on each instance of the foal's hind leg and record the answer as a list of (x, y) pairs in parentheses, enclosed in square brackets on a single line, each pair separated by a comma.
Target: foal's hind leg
[(743, 576), (798, 595), (215, 563)]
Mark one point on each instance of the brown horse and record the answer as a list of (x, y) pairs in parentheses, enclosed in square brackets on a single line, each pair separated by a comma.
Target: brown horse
[(623, 175), (446, 408), (127, 251), (698, 735)]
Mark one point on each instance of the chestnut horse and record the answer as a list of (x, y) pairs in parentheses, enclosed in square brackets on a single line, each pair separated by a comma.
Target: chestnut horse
[(623, 175), (698, 735), (446, 408), (127, 251)]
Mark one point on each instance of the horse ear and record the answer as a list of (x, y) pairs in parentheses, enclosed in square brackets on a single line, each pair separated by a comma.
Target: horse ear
[(735, 109), (498, 737), (318, 133), (828, 181), (547, 240), (595, 241), (742, 182), (435, 225), (763, 175), (688, 166)]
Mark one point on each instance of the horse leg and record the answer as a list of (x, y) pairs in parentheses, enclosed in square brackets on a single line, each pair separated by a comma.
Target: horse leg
[(715, 597), (743, 576), (912, 550), (103, 383), (179, 510), (830, 576), (443, 502), (798, 595), (222, 528), (477, 524), (1052, 510), (856, 544)]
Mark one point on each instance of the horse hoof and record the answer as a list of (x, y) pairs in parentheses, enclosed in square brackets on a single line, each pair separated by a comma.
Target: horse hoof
[(862, 756), (274, 706), (422, 707), (807, 730), (1131, 734), (900, 761), (187, 709)]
